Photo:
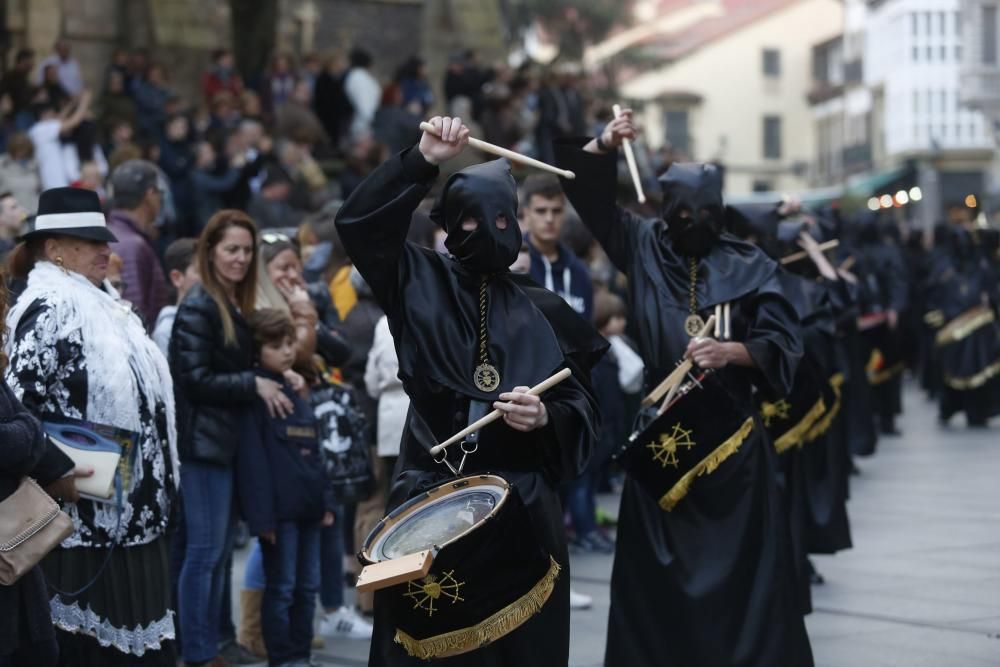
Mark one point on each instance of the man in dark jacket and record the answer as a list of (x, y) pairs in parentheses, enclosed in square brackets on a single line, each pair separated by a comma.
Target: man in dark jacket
[(553, 264), (137, 202)]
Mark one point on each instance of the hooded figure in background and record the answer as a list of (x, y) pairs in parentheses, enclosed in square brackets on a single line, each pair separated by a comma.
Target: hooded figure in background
[(670, 604), (468, 333)]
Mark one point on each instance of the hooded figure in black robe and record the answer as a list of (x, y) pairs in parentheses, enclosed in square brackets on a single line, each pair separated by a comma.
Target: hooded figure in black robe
[(710, 582), (809, 429), (964, 291), (432, 302), (881, 270)]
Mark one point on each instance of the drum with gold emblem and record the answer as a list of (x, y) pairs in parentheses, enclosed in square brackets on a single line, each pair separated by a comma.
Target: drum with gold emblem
[(459, 565), (701, 428), (795, 419)]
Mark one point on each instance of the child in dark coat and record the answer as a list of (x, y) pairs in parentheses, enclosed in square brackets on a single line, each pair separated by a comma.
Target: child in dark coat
[(285, 497)]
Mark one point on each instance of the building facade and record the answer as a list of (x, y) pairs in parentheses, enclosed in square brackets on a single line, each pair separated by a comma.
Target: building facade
[(891, 107), (733, 89)]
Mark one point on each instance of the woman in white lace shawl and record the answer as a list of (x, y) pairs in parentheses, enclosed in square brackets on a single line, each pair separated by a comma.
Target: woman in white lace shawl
[(79, 352)]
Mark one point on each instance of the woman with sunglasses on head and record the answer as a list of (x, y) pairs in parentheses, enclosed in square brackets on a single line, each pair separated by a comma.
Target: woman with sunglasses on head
[(281, 285), (211, 357), (79, 354)]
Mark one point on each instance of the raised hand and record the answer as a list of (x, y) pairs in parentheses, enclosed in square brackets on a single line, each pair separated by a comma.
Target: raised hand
[(620, 128), (452, 137)]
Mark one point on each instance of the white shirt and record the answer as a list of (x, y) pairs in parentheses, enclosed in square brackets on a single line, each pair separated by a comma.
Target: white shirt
[(70, 76), (364, 93), (49, 153), (382, 383)]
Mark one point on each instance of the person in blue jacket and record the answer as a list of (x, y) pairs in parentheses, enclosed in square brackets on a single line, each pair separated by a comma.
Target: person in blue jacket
[(285, 497)]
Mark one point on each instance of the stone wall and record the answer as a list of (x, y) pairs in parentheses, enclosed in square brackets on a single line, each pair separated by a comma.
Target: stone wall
[(182, 33)]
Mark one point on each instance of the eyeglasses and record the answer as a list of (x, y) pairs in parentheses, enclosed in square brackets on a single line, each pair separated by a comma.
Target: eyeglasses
[(274, 237)]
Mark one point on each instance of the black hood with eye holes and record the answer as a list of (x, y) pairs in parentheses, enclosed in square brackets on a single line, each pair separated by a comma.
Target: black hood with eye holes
[(483, 193), (696, 188)]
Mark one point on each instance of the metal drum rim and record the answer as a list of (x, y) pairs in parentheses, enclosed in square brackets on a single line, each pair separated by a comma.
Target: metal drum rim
[(417, 503)]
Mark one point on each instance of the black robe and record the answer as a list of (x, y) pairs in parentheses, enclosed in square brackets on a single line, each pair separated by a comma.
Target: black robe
[(431, 302), (825, 458), (710, 582), (969, 361)]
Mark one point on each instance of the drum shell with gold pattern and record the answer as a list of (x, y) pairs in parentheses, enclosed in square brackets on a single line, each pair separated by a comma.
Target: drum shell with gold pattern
[(476, 590), (693, 437), (789, 419)]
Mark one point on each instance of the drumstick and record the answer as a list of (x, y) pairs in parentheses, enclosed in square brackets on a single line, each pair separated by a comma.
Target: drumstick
[(539, 388), (630, 161), (796, 256), (678, 373), (493, 149)]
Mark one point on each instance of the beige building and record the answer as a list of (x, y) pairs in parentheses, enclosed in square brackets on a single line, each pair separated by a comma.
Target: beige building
[(733, 89)]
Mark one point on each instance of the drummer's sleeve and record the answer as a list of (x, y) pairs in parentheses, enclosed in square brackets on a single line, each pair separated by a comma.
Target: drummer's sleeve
[(593, 194), (374, 220), (571, 434), (774, 339)]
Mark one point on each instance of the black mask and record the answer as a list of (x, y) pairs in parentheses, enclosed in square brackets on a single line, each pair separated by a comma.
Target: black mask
[(697, 189), (483, 192)]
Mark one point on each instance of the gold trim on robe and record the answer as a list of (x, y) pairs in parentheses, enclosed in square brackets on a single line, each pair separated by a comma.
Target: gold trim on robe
[(487, 631)]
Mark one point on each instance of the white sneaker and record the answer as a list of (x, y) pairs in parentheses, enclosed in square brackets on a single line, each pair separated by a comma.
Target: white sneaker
[(579, 600), (347, 623)]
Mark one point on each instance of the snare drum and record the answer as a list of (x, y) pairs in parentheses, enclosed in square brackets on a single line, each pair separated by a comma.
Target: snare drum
[(459, 566), (700, 430)]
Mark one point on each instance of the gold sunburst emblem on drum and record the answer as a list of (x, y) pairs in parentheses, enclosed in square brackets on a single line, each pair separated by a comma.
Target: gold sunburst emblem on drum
[(777, 410), (429, 589), (665, 447)]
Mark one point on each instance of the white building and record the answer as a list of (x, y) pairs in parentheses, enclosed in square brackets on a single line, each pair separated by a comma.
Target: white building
[(980, 82), (889, 105), (729, 85)]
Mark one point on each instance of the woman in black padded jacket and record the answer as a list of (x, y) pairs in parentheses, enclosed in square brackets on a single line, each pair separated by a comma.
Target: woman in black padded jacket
[(211, 359)]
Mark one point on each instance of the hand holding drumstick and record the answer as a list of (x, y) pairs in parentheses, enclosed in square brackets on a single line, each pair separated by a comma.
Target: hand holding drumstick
[(523, 411)]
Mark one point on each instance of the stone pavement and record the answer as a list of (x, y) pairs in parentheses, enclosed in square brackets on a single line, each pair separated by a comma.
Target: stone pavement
[(921, 588)]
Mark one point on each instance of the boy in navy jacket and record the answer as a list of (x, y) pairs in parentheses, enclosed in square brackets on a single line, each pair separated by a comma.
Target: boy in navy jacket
[(285, 497)]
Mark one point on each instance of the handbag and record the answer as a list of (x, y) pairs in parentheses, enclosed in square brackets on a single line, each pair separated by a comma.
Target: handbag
[(31, 525), (88, 448), (343, 438)]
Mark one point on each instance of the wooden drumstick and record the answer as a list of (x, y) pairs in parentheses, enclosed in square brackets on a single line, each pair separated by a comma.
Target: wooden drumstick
[(678, 374), (493, 149), (630, 161), (539, 388), (796, 256)]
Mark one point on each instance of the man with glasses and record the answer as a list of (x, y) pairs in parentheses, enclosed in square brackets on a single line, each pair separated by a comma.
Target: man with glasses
[(136, 202)]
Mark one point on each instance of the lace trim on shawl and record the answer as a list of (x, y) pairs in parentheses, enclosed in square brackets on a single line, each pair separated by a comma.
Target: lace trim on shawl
[(137, 641)]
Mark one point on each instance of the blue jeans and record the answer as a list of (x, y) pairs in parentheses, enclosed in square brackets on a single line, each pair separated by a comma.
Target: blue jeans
[(331, 564), (291, 568), (581, 503), (253, 575), (209, 522)]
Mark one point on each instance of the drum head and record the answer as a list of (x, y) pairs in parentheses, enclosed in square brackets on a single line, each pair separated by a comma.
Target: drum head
[(436, 518)]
